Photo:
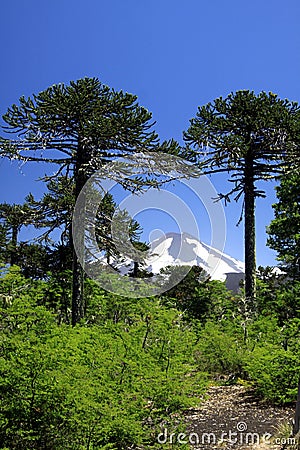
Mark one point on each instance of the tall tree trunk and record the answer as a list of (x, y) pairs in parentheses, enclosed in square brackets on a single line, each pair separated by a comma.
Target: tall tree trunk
[(135, 269), (14, 244), (296, 426), (80, 179), (77, 291), (250, 257)]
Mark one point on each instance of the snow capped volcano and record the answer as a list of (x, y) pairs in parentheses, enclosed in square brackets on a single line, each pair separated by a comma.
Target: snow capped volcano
[(182, 249), (176, 249)]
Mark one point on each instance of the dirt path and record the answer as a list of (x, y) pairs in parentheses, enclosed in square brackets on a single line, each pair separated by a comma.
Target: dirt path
[(232, 418)]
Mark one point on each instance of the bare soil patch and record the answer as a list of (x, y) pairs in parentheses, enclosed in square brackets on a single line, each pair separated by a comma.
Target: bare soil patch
[(232, 417)]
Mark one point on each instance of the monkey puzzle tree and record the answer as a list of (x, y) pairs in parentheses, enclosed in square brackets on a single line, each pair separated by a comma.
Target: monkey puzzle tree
[(80, 127), (13, 217), (284, 230), (54, 212), (247, 136), (54, 209)]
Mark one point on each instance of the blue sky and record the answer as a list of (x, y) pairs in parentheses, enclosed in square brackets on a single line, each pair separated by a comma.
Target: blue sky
[(173, 55)]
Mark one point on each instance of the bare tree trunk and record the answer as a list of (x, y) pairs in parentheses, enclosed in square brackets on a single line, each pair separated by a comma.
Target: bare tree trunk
[(14, 244), (135, 269), (296, 426), (78, 272), (77, 291), (250, 257)]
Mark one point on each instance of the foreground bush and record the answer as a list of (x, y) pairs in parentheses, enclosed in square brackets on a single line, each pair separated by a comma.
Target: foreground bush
[(116, 380), (92, 387)]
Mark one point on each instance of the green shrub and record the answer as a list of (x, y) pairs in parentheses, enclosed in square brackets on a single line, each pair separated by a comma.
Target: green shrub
[(96, 386), (221, 349), (275, 373)]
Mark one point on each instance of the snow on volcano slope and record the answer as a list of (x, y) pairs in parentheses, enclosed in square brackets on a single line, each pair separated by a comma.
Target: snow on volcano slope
[(176, 249)]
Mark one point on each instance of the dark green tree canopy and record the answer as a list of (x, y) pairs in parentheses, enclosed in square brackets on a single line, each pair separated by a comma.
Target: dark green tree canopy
[(12, 218), (284, 230), (54, 213), (228, 132), (15, 215), (55, 208), (104, 122)]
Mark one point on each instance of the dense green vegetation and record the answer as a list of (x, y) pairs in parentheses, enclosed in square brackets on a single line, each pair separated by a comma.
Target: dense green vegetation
[(133, 366), (82, 368), (108, 383), (284, 230)]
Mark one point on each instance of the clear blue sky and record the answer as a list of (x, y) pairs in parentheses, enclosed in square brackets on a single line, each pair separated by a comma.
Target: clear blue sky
[(174, 55)]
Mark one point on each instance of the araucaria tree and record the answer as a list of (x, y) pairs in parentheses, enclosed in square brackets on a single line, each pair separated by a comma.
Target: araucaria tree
[(284, 230), (80, 127), (12, 218), (248, 136)]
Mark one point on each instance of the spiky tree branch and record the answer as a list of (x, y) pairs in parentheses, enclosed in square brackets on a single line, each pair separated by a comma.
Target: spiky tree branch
[(252, 138), (80, 127)]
